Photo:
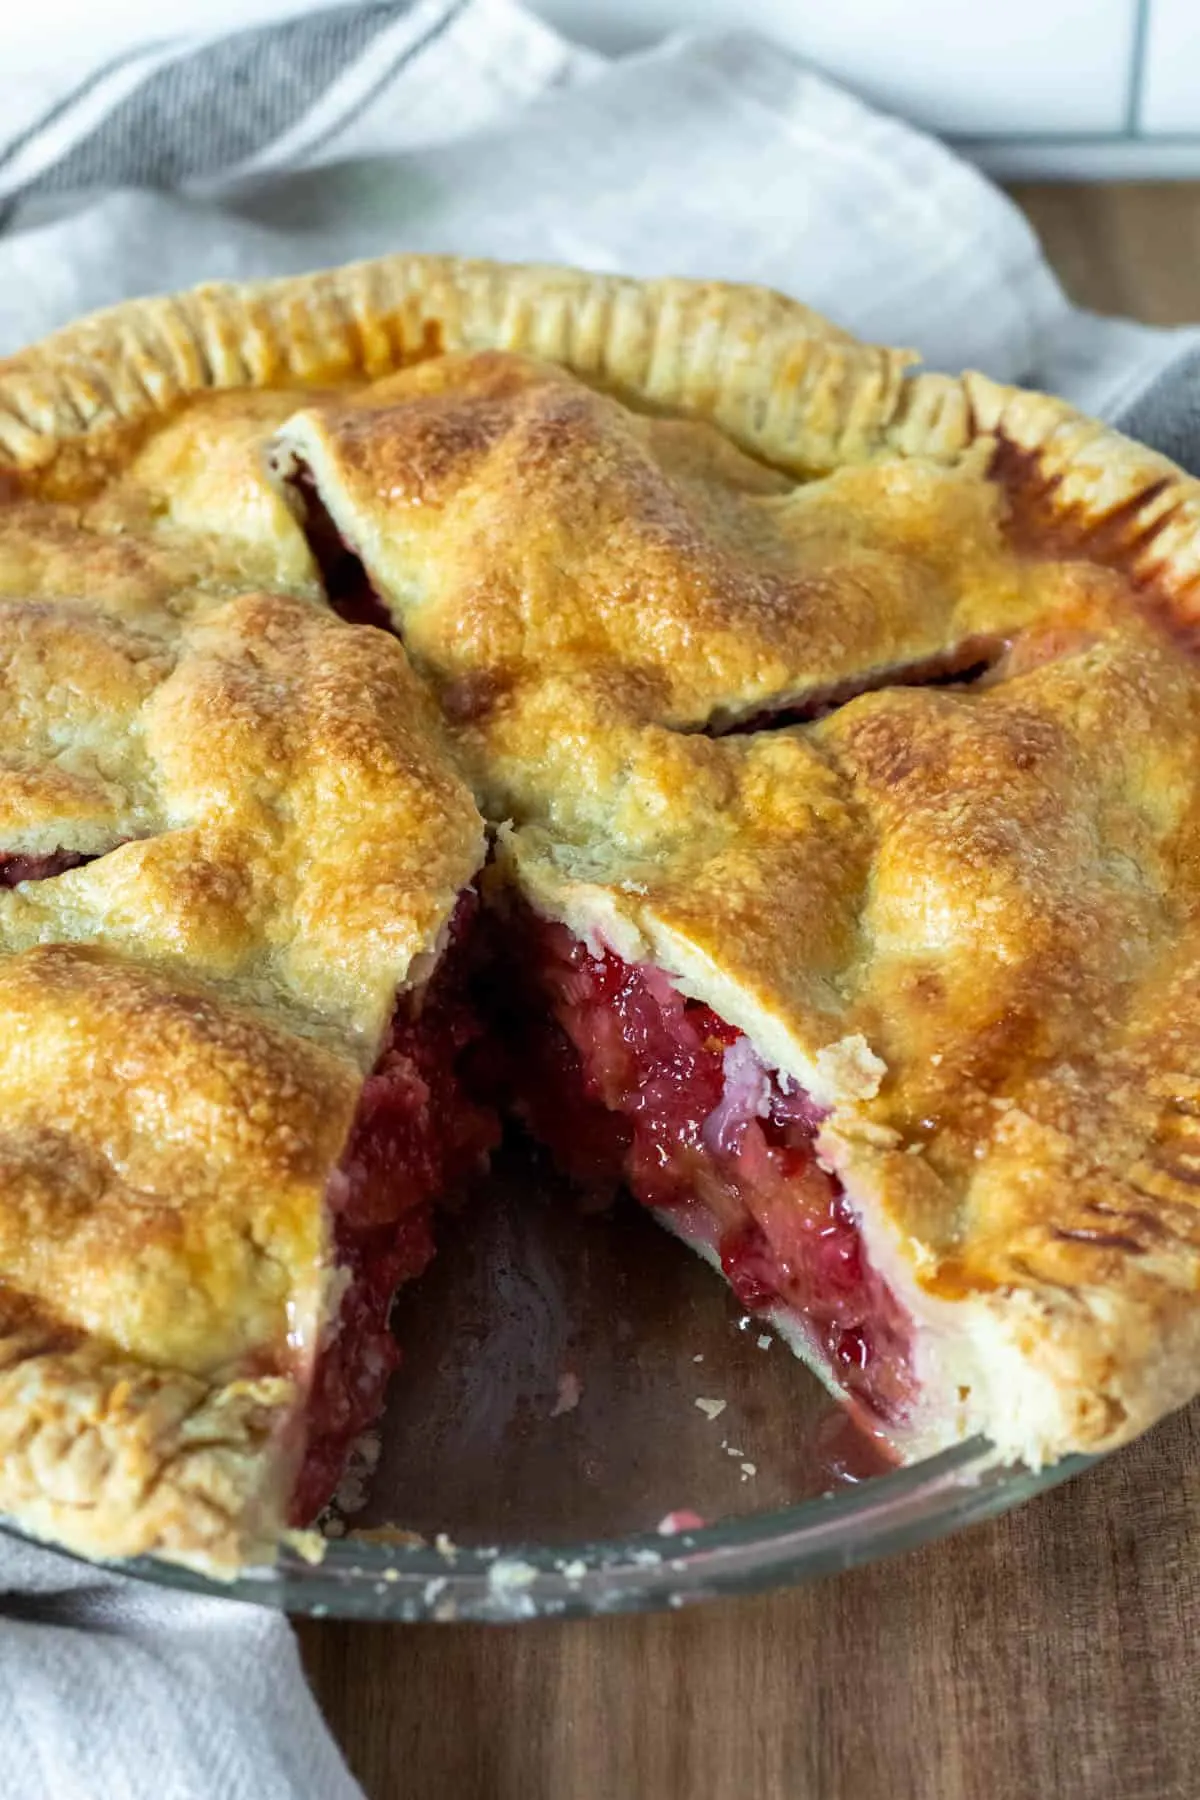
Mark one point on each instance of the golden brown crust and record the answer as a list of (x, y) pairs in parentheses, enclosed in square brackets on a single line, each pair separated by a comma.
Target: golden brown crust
[(961, 916), (280, 838), (287, 820), (164, 1153), (189, 1020), (651, 553), (774, 374), (109, 1457)]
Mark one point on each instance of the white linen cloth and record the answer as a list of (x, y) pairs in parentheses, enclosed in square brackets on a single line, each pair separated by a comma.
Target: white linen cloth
[(454, 125), (112, 1689)]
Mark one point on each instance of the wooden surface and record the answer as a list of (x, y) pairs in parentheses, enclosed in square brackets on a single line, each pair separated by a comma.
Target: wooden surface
[(1123, 247), (1054, 1653)]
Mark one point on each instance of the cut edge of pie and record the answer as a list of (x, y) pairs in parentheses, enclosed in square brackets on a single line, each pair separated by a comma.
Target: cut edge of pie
[(1042, 1371), (114, 1454), (111, 1455)]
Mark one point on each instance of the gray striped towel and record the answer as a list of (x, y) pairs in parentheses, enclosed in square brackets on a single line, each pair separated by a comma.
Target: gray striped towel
[(460, 125)]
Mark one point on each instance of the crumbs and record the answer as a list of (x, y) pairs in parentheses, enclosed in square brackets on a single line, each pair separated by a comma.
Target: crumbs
[(567, 1398), (682, 1519)]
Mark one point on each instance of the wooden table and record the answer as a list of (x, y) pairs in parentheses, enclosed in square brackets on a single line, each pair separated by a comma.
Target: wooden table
[(1052, 1653)]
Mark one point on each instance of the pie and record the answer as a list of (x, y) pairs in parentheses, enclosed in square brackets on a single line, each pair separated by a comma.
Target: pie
[(435, 691)]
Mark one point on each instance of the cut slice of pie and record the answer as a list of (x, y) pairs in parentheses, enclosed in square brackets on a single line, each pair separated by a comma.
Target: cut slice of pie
[(839, 731)]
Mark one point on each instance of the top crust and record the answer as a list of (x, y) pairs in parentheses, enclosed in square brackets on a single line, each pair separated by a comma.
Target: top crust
[(612, 521), (280, 837), (766, 369), (941, 909), (268, 784)]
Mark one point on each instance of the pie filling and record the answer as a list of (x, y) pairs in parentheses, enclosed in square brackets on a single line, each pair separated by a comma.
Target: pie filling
[(417, 1136), (14, 867), (626, 1080), (346, 584)]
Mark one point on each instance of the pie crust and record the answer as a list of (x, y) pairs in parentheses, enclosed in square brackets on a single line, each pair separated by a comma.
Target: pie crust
[(858, 702)]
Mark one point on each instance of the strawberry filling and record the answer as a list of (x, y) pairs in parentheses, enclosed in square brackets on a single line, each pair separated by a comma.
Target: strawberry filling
[(418, 1135), (343, 577), (15, 868), (624, 1079)]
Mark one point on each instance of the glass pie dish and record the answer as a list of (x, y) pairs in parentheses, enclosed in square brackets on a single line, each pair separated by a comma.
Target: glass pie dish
[(585, 1422)]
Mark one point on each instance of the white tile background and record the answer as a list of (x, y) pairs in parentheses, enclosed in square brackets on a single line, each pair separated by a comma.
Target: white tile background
[(1041, 87), (1032, 87), (1170, 99), (984, 68)]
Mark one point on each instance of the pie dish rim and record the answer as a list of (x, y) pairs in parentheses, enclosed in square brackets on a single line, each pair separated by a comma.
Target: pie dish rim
[(913, 1504)]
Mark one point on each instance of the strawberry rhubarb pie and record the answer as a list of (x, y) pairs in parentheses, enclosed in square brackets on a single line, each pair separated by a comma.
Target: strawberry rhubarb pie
[(437, 692)]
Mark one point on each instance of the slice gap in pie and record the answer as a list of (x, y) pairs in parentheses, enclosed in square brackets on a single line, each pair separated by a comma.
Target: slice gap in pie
[(625, 1082), (16, 866), (963, 665), (420, 1133)]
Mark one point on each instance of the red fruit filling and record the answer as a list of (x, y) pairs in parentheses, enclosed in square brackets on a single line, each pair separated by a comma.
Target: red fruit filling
[(345, 581), (960, 666), (14, 867), (625, 1079), (417, 1135)]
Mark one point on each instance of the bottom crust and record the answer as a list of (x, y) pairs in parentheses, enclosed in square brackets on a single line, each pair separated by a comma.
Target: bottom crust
[(107, 1458), (790, 1325)]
